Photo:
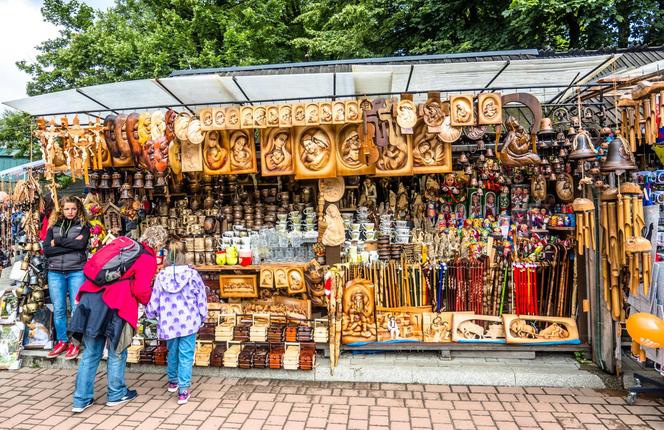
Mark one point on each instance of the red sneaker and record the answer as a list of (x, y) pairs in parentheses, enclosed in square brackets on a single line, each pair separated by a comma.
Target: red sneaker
[(58, 349), (72, 352)]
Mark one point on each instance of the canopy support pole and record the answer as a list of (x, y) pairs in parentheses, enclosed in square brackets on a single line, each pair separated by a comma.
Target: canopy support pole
[(502, 69), (560, 94), (80, 91), (163, 87), (242, 90)]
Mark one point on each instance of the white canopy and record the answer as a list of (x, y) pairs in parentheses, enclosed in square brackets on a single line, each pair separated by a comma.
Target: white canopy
[(543, 77)]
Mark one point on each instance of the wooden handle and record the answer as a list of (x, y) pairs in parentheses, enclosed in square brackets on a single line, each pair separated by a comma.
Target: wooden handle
[(615, 303)]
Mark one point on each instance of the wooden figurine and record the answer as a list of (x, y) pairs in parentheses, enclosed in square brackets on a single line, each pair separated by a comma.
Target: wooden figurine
[(334, 233)]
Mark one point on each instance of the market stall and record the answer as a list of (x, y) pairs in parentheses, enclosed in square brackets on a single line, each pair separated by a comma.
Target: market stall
[(416, 220)]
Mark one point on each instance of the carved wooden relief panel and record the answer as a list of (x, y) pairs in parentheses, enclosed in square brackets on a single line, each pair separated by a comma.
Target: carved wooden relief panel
[(277, 152)]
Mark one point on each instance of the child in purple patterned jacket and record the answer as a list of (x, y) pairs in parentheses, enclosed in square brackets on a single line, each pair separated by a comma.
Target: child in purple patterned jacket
[(179, 303)]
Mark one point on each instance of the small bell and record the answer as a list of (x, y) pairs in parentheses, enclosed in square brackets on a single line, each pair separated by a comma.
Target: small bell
[(138, 180), (94, 180), (116, 178), (481, 145), (463, 159), (105, 177), (161, 181), (619, 156), (563, 152), (546, 126), (545, 161), (582, 147), (149, 178), (125, 191), (489, 152)]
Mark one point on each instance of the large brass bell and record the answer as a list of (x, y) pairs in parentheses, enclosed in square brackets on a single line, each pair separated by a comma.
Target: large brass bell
[(582, 146), (94, 180), (105, 177), (149, 184), (546, 126), (619, 156), (116, 178), (138, 180)]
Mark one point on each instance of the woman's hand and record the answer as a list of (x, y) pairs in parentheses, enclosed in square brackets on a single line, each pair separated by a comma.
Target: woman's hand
[(53, 243), (79, 237)]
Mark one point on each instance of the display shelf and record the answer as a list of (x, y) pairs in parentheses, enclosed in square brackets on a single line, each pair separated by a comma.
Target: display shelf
[(248, 268), (554, 228), (464, 346)]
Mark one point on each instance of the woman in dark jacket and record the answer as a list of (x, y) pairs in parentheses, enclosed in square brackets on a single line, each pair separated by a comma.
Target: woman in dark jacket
[(65, 248)]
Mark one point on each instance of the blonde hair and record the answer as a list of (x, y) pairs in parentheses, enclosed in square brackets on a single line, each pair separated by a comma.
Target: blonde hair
[(175, 254), (58, 216)]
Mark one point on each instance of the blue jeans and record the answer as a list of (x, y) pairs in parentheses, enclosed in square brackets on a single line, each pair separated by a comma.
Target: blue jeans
[(87, 371), (180, 360), (60, 284)]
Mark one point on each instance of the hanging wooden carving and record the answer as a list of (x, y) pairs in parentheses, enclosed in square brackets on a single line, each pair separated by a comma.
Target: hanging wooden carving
[(242, 151), (406, 116), (461, 110), (314, 148), (260, 117), (432, 114), (131, 128), (490, 108), (353, 111), (192, 156), (218, 119), (325, 112), (247, 116), (119, 147), (312, 114), (216, 160), (349, 152), (296, 284), (339, 112), (207, 119), (430, 153), (565, 187), (272, 113), (285, 116), (372, 111), (396, 157), (233, 118), (299, 115), (277, 152)]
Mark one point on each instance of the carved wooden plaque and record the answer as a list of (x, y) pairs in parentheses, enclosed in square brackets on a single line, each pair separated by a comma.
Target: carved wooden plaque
[(430, 153), (247, 116), (349, 152), (315, 152), (238, 286), (461, 110), (216, 159), (277, 153), (206, 116), (490, 108), (242, 148)]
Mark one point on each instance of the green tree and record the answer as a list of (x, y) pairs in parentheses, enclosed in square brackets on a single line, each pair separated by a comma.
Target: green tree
[(15, 134)]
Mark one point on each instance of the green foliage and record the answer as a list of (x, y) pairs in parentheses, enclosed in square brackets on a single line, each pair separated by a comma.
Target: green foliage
[(15, 134), (151, 38)]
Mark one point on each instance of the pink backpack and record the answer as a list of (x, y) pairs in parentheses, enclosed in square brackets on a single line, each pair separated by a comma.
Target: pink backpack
[(112, 261)]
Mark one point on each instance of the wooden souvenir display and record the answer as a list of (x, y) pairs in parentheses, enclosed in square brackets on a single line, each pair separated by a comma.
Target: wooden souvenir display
[(131, 127), (285, 116), (260, 117), (585, 224), (119, 146), (339, 112), (238, 286), (307, 356), (437, 326), (321, 332), (358, 321), (637, 251), (291, 360), (267, 278), (218, 118), (233, 118), (231, 356), (530, 329), (272, 113), (477, 328), (207, 120), (192, 156), (299, 115), (565, 187), (353, 111), (315, 152), (277, 152), (217, 357), (247, 115), (430, 153), (134, 350), (325, 112), (518, 146), (406, 113), (489, 108), (538, 188), (332, 189), (312, 114), (224, 330), (160, 353), (174, 159), (403, 323), (296, 284), (349, 148), (461, 110), (216, 159), (280, 278), (242, 151)]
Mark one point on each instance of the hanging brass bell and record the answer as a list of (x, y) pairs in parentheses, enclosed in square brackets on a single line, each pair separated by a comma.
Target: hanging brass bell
[(582, 146), (546, 126), (125, 191), (619, 156), (149, 184), (138, 180), (489, 153), (161, 181), (105, 177), (115, 180), (562, 152), (94, 180)]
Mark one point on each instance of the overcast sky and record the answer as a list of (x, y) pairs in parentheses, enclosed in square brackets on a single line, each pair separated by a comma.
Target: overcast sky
[(21, 29)]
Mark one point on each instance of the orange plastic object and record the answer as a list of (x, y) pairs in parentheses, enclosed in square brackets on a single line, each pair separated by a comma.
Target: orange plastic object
[(646, 330)]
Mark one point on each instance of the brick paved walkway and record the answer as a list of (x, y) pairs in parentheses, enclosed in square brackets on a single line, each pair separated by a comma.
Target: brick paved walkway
[(41, 398)]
